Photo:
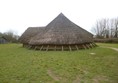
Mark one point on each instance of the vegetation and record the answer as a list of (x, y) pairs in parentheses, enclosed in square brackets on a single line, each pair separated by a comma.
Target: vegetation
[(106, 40), (10, 35), (20, 65), (108, 45), (106, 28)]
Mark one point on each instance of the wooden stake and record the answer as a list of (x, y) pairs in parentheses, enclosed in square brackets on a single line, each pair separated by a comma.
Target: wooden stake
[(62, 48), (35, 48), (91, 45), (70, 48), (55, 48), (41, 48), (76, 47), (87, 46), (47, 48), (94, 44), (84, 46)]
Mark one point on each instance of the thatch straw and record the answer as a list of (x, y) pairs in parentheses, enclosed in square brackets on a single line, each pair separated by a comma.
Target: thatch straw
[(62, 31), (29, 33)]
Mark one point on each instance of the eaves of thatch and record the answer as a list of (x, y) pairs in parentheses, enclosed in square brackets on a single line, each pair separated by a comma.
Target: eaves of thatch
[(29, 33)]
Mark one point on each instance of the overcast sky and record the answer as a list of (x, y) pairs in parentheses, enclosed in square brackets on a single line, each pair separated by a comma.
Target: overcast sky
[(18, 15)]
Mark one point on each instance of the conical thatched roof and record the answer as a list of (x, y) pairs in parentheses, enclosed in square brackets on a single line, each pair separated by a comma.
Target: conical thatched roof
[(29, 33), (62, 31)]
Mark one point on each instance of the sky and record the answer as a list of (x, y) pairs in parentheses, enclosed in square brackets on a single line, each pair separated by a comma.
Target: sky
[(18, 15)]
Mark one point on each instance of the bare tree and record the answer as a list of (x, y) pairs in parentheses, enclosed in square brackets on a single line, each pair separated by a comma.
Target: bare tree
[(11, 36), (100, 28), (116, 27), (106, 28)]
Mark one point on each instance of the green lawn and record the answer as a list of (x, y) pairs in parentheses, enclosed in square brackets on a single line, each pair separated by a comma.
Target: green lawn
[(20, 65), (108, 45)]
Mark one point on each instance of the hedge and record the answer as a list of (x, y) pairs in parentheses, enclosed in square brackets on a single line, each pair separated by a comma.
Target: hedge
[(106, 40)]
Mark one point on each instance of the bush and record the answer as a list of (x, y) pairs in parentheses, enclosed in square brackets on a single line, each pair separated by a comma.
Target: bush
[(108, 40)]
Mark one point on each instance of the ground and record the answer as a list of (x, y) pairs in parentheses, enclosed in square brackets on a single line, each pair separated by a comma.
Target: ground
[(20, 65)]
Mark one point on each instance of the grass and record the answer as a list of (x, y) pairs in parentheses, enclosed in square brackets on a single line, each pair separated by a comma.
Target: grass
[(20, 65), (108, 44)]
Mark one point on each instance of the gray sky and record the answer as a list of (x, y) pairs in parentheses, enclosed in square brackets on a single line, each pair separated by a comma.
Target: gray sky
[(18, 15)]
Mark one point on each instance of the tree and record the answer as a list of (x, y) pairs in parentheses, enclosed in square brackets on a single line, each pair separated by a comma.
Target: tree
[(100, 28), (0, 34), (11, 36), (106, 28), (116, 27)]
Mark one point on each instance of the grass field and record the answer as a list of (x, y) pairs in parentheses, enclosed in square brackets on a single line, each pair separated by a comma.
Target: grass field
[(20, 65), (108, 45)]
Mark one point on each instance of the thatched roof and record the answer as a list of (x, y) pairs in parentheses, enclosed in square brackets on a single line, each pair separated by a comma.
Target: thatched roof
[(29, 33), (62, 31)]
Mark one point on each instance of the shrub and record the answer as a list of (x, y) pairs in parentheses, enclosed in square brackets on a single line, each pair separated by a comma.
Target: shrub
[(108, 40)]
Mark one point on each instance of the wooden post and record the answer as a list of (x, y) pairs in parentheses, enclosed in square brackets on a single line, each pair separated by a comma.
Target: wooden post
[(35, 48), (87, 46), (62, 48), (41, 48), (76, 47), (55, 48), (91, 45), (84, 46), (94, 44), (70, 48), (47, 48)]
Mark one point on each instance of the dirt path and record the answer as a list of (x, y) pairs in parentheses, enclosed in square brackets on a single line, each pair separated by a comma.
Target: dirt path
[(77, 80), (53, 76), (116, 49), (99, 78)]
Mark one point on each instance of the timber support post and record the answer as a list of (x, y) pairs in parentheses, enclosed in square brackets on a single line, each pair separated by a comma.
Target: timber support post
[(70, 48), (76, 47), (41, 48)]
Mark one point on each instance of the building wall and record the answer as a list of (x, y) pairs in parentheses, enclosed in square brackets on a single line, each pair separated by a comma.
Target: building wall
[(2, 41)]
